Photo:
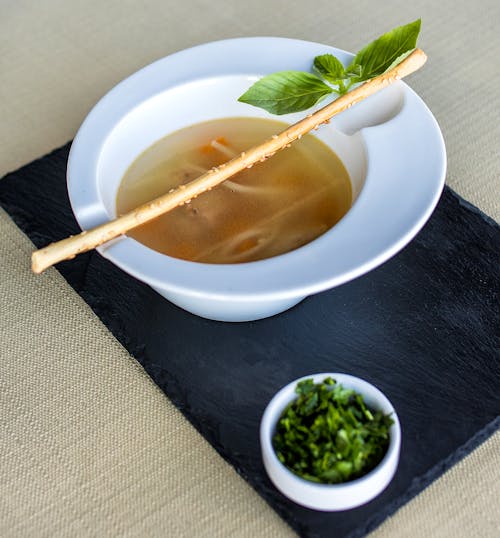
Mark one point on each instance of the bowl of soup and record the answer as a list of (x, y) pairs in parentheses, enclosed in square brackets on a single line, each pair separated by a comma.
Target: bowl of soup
[(331, 207)]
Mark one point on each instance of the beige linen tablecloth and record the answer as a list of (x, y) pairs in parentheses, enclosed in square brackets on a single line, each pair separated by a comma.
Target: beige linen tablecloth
[(89, 446)]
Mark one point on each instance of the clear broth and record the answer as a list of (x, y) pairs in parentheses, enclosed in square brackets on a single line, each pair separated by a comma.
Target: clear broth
[(272, 208)]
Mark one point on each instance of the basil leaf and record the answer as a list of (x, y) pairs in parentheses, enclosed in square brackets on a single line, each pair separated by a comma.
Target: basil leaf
[(354, 70), (286, 91), (330, 68), (384, 52), (399, 59), (293, 91)]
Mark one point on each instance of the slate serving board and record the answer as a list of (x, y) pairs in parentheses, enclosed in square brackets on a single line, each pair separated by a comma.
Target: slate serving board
[(422, 327)]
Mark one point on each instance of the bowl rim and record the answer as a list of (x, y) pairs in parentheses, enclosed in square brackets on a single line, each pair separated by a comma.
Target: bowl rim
[(303, 491), (308, 269)]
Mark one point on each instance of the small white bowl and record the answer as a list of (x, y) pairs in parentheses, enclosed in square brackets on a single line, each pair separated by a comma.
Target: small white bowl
[(330, 497), (390, 144)]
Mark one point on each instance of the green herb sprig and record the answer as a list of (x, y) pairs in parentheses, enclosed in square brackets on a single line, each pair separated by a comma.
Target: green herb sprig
[(329, 435), (292, 91)]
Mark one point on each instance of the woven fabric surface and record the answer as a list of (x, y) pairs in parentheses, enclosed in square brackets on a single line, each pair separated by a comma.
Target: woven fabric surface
[(89, 445)]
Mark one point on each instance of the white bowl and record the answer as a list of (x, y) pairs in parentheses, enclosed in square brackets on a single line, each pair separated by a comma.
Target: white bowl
[(330, 497), (390, 144)]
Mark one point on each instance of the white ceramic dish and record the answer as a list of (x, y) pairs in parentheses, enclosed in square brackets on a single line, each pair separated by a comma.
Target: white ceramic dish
[(390, 143), (326, 497)]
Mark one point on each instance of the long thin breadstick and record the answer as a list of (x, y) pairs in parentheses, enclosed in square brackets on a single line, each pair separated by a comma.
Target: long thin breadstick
[(87, 240)]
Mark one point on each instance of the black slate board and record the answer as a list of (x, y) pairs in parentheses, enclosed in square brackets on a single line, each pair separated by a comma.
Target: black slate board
[(422, 327)]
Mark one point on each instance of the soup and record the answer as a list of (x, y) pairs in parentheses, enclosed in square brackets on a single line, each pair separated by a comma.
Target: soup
[(272, 208)]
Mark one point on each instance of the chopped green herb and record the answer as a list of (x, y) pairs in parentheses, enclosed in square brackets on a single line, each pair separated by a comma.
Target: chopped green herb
[(329, 435), (292, 91)]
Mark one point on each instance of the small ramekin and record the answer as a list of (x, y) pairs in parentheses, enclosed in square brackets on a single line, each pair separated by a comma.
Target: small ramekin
[(330, 497)]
